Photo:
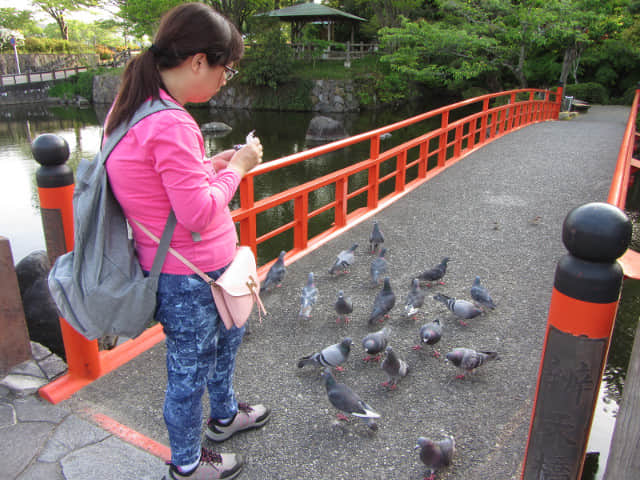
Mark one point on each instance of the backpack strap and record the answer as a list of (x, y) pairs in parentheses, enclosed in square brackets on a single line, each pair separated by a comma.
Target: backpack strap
[(149, 107)]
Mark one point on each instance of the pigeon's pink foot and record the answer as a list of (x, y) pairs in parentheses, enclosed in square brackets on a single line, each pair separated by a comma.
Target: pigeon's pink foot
[(460, 377), (342, 417), (463, 323), (416, 347), (385, 384), (377, 358), (339, 369), (367, 358), (436, 354)]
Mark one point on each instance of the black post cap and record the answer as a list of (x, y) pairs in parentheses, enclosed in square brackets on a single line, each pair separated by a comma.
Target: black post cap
[(597, 232), (52, 153), (49, 149)]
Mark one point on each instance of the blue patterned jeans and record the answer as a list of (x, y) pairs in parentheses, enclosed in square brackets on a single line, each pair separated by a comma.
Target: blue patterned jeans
[(200, 352)]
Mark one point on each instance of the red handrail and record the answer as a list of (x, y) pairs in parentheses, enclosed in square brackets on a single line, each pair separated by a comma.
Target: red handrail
[(626, 164), (453, 140)]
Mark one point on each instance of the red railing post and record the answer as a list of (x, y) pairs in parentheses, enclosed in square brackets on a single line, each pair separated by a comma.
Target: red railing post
[(483, 123), (55, 189), (558, 102), (340, 210), (248, 228), (583, 307), (374, 174), (444, 136), (401, 171), (301, 228), (423, 163)]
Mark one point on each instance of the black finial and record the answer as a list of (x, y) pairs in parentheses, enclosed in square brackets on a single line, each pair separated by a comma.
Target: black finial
[(52, 153), (597, 232)]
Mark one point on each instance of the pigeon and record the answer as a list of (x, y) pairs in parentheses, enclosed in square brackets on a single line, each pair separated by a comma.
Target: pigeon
[(378, 267), (308, 297), (376, 238), (375, 343), (343, 307), (415, 299), (383, 303), (468, 359), (394, 367), (347, 401), (436, 455), (430, 333), (435, 274), (331, 356), (275, 275), (344, 260), (461, 308), (481, 295)]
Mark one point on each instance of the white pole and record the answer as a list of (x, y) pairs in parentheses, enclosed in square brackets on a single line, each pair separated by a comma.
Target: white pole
[(15, 52)]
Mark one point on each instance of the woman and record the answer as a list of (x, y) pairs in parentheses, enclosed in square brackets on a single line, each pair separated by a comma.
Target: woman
[(161, 165)]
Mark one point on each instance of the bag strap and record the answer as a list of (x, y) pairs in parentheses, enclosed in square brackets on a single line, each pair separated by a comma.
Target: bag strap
[(163, 244), (195, 269)]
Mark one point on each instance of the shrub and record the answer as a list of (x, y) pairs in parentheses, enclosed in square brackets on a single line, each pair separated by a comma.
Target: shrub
[(270, 61), (589, 92), (80, 84)]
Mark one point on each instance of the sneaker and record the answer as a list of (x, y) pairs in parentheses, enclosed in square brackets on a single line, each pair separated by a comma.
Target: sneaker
[(247, 417), (212, 465)]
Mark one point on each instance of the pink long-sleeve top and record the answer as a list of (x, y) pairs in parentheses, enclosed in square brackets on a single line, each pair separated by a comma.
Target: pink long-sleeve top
[(161, 164)]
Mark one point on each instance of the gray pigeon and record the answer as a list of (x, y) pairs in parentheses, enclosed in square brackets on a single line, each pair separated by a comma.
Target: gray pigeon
[(275, 275), (308, 297), (415, 299), (383, 303), (435, 274), (461, 308), (394, 367), (331, 356), (343, 307), (344, 260), (468, 359), (481, 295), (376, 238), (347, 401), (430, 334), (375, 343), (378, 267), (436, 455)]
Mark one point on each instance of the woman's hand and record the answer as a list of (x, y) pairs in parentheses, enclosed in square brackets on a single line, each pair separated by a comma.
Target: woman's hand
[(247, 157), (221, 160)]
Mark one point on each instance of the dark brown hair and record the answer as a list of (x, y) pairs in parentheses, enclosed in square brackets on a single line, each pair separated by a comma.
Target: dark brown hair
[(185, 30)]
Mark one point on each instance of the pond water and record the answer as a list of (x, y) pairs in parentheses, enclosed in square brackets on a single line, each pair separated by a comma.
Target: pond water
[(282, 133)]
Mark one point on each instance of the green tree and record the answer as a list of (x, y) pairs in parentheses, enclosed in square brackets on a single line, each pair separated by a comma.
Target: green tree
[(21, 20), (239, 11), (58, 9), (142, 17)]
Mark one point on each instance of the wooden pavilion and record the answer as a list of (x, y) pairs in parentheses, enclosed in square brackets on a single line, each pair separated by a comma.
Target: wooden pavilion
[(303, 13)]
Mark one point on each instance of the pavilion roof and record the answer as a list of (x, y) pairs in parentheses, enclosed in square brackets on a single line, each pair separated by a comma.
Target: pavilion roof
[(311, 12)]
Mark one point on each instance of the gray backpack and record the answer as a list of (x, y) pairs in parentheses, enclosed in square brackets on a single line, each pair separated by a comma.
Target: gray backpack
[(99, 287)]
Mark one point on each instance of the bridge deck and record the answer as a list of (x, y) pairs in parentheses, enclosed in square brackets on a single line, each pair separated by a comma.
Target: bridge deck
[(498, 214)]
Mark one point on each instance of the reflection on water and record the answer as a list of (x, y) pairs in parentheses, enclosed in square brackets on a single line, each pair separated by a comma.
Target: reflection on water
[(282, 133)]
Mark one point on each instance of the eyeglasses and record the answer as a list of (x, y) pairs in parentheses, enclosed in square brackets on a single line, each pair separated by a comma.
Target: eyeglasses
[(229, 73)]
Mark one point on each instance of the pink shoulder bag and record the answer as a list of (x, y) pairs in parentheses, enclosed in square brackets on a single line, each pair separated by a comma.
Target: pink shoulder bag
[(235, 291)]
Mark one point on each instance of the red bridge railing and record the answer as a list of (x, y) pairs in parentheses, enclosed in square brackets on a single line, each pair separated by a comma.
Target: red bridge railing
[(463, 127), (407, 165), (628, 164)]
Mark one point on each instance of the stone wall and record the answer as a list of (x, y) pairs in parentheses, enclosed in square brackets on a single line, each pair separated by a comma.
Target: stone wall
[(45, 62), (327, 96)]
